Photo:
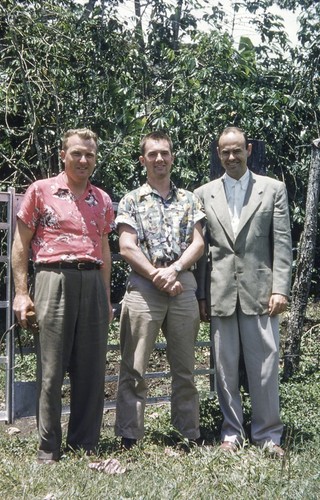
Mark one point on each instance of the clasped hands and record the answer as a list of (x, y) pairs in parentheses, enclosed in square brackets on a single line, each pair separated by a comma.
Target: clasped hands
[(165, 280)]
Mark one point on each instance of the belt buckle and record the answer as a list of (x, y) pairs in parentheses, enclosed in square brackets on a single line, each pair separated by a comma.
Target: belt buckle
[(81, 266)]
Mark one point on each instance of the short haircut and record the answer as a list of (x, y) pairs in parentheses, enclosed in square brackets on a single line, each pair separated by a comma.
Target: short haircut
[(234, 130), (155, 136), (83, 133)]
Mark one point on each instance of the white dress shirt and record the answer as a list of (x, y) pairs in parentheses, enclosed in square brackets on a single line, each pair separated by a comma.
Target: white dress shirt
[(235, 193)]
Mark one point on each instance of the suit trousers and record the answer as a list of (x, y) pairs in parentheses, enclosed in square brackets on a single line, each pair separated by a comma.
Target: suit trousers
[(72, 313), (145, 311), (259, 337)]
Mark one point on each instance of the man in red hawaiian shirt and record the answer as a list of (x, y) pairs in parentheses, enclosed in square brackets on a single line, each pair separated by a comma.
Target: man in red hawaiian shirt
[(66, 220)]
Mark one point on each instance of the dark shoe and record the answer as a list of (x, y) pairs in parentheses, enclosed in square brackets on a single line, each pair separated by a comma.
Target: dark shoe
[(228, 446), (197, 442), (188, 444), (78, 449), (128, 443)]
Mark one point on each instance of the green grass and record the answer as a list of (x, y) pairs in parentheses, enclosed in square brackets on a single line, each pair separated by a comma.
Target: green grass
[(159, 469), (203, 473), (163, 466)]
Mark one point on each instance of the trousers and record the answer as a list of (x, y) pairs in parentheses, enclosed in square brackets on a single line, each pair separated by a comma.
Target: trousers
[(145, 311), (72, 312), (259, 336)]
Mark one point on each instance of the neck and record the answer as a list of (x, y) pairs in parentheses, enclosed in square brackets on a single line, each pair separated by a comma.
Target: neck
[(77, 188), (161, 185)]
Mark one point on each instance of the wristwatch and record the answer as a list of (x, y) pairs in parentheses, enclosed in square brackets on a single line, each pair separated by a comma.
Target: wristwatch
[(177, 267)]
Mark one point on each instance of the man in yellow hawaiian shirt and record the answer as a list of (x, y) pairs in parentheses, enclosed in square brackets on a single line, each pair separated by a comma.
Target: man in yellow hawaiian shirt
[(161, 238)]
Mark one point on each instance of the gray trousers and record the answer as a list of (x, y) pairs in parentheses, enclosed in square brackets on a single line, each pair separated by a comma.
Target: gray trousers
[(72, 313), (145, 311), (259, 336)]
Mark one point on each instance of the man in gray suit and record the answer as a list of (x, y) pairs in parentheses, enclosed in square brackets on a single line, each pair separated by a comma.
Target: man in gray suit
[(245, 289)]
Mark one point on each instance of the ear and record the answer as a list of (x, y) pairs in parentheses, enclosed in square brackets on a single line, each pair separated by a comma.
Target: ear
[(249, 149), (62, 155), (218, 151), (141, 160)]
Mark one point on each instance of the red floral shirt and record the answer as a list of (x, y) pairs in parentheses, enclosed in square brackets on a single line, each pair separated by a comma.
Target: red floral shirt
[(66, 228)]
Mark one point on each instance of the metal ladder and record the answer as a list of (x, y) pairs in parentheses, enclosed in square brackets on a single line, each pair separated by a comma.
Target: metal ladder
[(8, 205)]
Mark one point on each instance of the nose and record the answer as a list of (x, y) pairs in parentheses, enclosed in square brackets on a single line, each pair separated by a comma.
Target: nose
[(231, 156), (159, 157), (83, 159)]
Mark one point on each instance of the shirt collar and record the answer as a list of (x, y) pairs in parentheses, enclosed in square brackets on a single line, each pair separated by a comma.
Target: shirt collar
[(146, 189), (244, 180), (61, 183)]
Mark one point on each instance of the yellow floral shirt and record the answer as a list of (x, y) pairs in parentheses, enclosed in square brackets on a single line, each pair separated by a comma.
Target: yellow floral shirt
[(164, 227)]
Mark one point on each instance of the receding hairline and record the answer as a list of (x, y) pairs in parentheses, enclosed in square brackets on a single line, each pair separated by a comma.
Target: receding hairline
[(83, 133), (234, 130)]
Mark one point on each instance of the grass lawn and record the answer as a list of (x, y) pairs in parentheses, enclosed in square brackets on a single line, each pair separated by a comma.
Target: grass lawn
[(162, 466), (158, 470)]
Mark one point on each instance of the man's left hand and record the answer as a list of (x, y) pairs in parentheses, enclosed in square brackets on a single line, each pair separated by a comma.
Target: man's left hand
[(277, 304), (175, 289)]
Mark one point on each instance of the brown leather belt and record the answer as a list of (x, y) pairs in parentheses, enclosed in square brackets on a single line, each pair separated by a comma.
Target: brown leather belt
[(80, 266)]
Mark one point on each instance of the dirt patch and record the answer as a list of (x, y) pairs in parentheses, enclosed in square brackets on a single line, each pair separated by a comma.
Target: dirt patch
[(27, 426)]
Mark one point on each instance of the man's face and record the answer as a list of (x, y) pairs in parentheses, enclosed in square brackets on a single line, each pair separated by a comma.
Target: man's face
[(79, 158), (157, 159), (233, 154)]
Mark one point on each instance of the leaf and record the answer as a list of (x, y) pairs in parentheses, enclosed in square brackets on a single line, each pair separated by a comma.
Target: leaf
[(109, 466)]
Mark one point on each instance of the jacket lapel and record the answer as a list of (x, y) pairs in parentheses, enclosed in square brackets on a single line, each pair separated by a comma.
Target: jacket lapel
[(251, 202), (220, 206)]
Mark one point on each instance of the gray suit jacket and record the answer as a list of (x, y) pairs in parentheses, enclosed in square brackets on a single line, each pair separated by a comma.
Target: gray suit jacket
[(257, 262)]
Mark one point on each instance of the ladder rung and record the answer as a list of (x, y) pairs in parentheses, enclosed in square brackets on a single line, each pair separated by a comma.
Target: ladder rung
[(5, 197)]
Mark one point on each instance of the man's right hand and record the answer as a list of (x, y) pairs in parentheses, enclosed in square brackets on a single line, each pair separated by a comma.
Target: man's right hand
[(21, 305)]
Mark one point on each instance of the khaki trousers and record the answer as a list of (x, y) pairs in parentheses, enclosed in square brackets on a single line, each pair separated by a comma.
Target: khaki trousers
[(145, 311), (71, 308), (259, 336)]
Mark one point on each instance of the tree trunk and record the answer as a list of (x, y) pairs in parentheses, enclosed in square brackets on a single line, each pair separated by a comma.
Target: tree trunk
[(176, 21), (305, 261)]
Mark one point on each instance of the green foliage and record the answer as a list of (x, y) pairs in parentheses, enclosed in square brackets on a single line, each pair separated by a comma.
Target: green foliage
[(297, 396), (61, 68), (25, 368), (65, 65), (210, 418)]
